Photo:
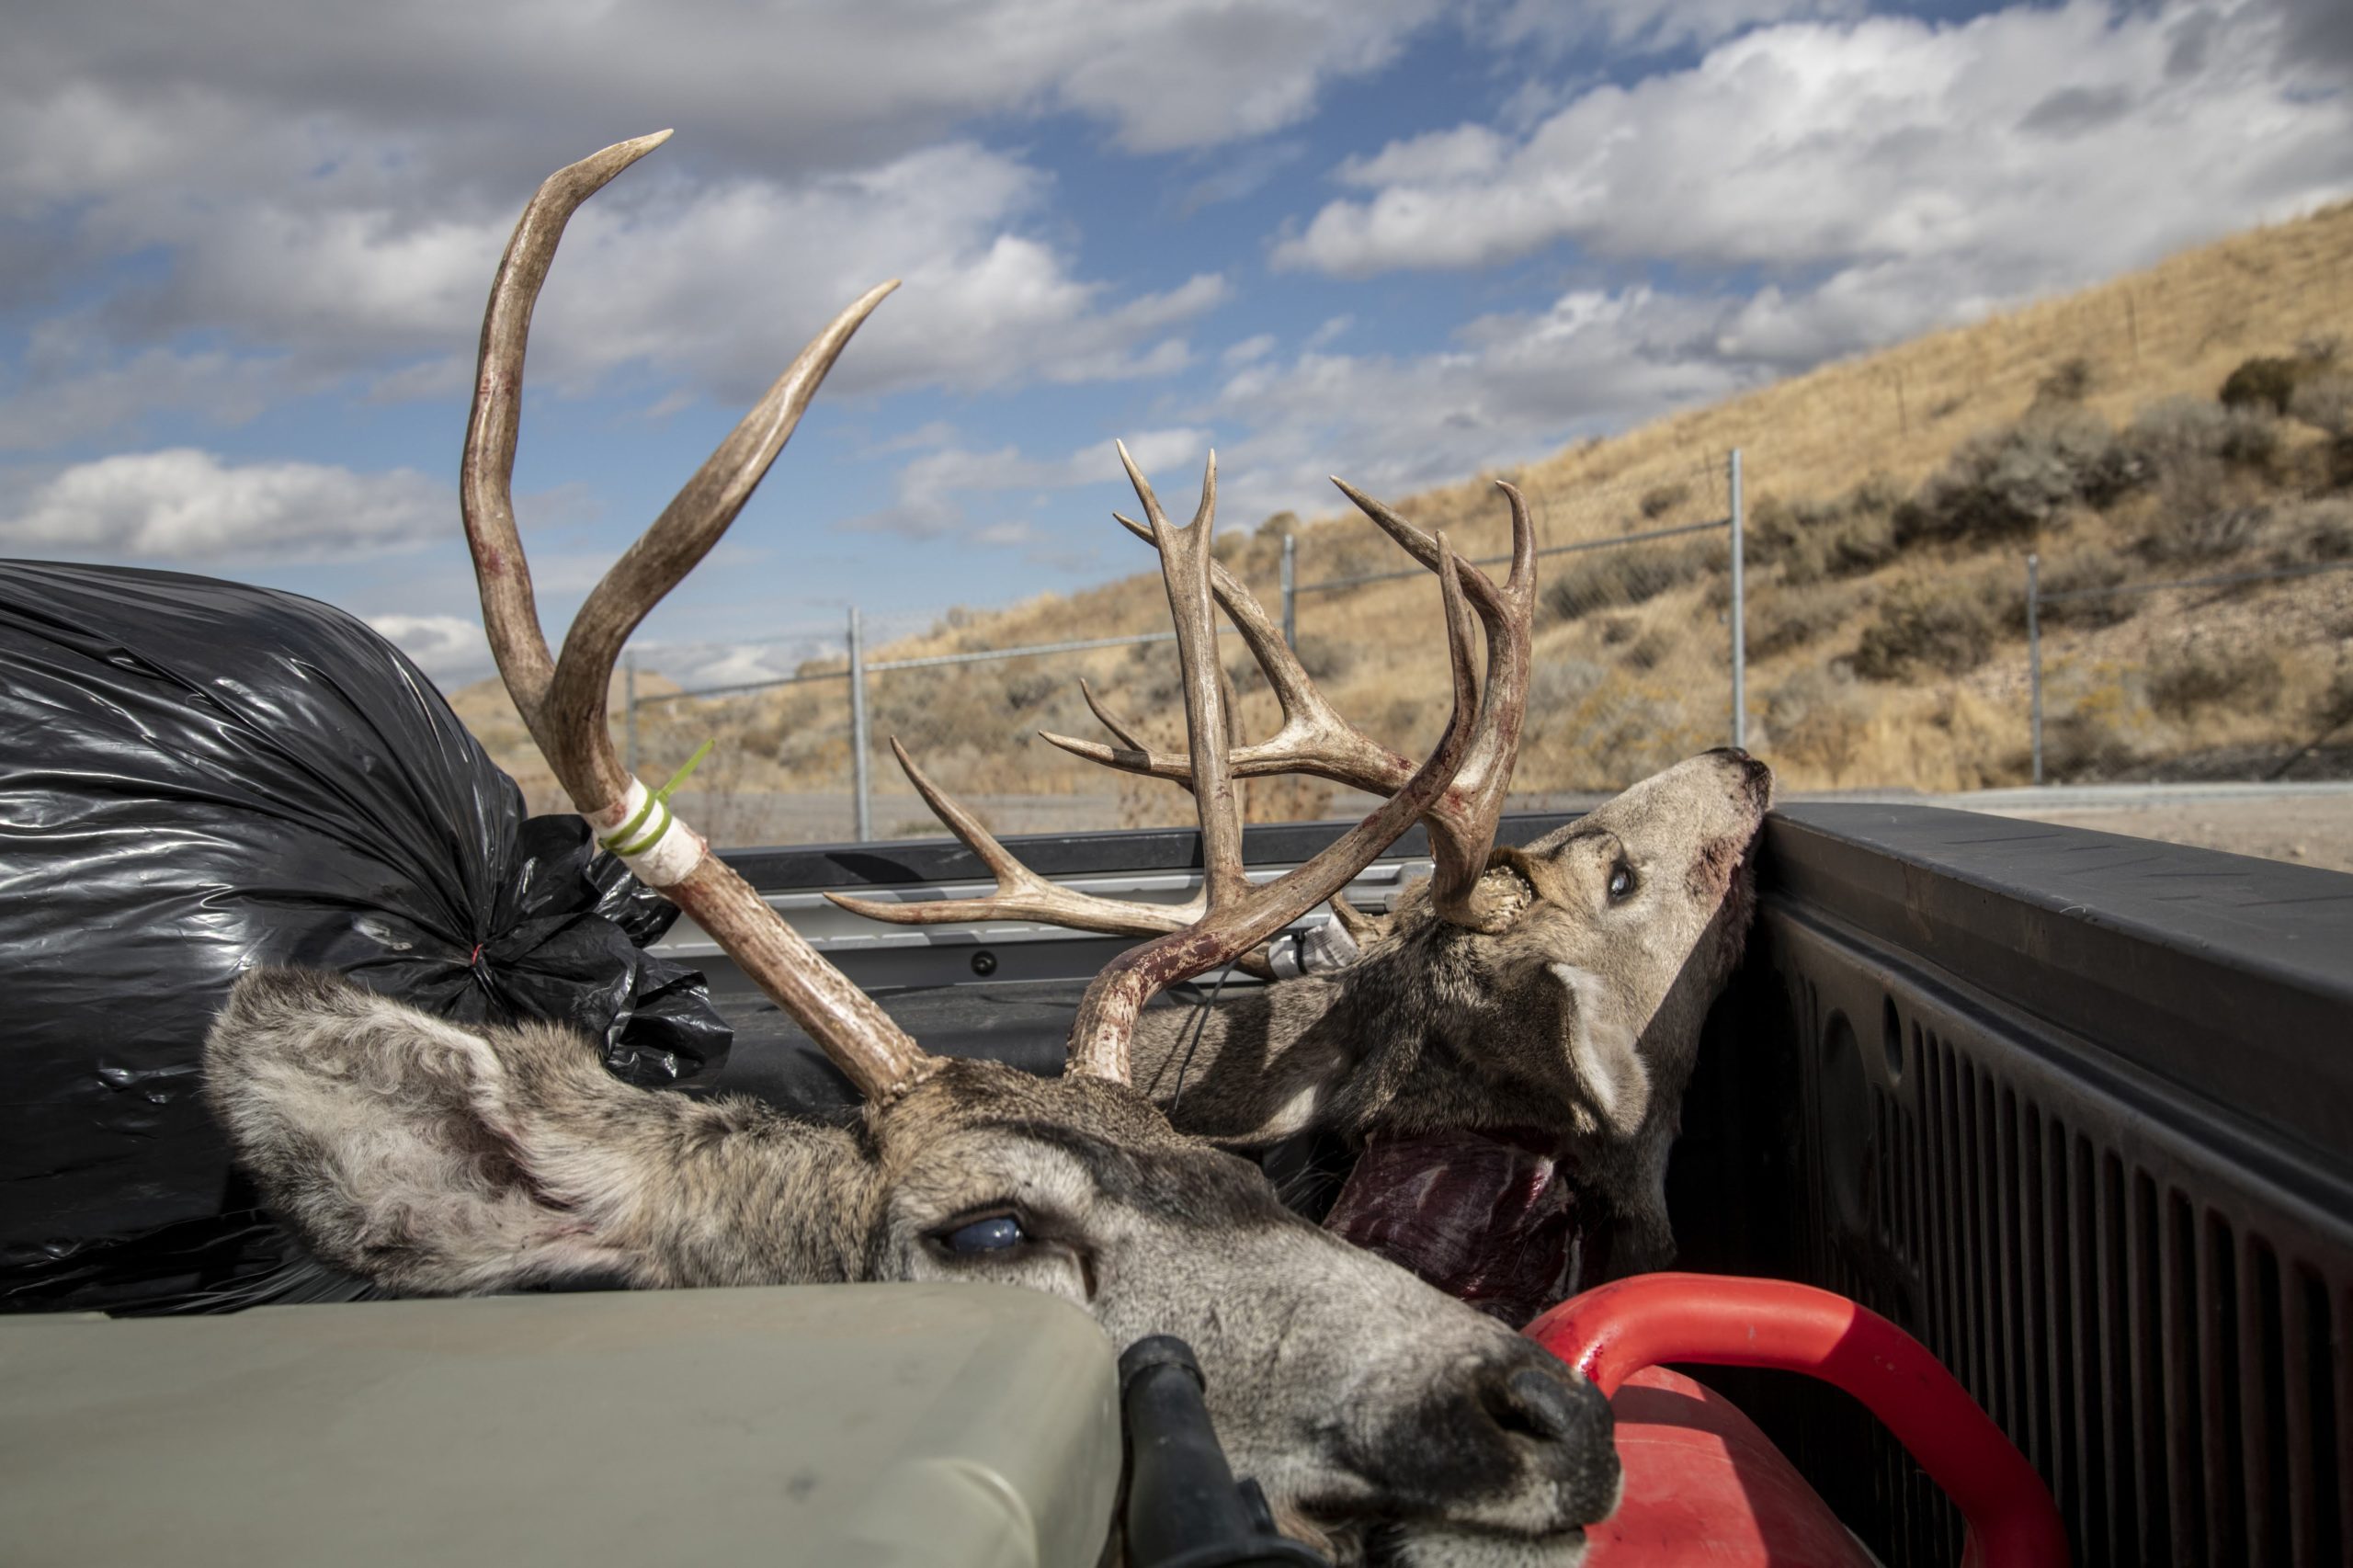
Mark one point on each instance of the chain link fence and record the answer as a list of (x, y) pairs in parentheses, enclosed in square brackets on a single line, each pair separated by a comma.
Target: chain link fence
[(1658, 605), (1637, 627), (1637, 621), (805, 754), (778, 713)]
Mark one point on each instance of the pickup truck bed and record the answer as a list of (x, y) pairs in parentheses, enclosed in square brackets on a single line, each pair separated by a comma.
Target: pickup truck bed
[(2075, 1110)]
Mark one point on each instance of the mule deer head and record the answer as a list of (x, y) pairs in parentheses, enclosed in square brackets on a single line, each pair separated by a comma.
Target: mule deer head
[(1378, 1414), (1568, 1020), (1552, 994)]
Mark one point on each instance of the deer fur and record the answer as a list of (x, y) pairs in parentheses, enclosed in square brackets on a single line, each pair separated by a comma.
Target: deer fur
[(1563, 1009), (1378, 1414)]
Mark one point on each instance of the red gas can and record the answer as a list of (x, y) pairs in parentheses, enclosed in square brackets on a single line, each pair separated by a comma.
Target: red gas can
[(1704, 1485)]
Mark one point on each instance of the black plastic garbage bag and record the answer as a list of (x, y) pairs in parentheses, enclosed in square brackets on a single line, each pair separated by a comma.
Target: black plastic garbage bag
[(197, 776)]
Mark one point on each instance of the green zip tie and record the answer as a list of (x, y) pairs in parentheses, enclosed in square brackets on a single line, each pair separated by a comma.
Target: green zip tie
[(619, 840)]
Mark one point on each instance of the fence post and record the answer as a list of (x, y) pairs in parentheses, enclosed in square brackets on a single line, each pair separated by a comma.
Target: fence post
[(1739, 628), (861, 819), (1291, 592), (628, 713), (2034, 653)]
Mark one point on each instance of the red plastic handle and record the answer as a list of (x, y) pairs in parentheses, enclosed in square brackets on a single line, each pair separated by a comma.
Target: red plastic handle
[(1616, 1330)]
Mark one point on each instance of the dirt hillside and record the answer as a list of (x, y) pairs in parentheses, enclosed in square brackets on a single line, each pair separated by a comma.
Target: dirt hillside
[(1892, 499)]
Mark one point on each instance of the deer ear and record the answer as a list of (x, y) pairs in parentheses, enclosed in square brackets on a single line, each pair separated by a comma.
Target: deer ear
[(396, 1144), (1603, 1044)]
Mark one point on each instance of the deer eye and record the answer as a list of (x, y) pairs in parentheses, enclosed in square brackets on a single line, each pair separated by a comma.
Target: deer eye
[(993, 1234), (1621, 883)]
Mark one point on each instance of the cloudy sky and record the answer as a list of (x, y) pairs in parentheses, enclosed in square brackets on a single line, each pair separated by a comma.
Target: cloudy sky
[(244, 249)]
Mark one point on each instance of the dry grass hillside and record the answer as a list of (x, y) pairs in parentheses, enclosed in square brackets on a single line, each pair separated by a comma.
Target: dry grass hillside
[(1891, 500)]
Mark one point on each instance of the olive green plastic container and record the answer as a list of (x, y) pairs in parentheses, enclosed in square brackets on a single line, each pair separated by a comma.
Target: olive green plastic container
[(837, 1425)]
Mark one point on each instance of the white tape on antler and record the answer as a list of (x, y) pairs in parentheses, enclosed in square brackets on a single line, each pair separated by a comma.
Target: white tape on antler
[(1327, 947), (673, 849)]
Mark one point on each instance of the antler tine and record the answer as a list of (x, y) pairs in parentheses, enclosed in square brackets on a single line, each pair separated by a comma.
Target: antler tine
[(1185, 561), (563, 700), (676, 544), (1120, 732), (486, 471), (1292, 687), (1107, 1016), (1021, 893), (1463, 832), (1315, 738)]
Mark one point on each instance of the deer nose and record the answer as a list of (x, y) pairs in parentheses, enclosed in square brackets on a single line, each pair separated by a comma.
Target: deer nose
[(1755, 777), (1563, 1424), (1536, 1404)]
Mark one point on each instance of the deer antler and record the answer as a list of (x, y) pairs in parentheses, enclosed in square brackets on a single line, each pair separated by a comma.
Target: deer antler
[(1315, 739), (563, 700), (1238, 916), (1021, 893)]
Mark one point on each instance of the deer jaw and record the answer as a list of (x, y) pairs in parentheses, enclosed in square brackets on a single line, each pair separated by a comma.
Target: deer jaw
[(435, 1159)]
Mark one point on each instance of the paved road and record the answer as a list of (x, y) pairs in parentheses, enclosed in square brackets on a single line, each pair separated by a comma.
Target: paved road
[(2310, 824)]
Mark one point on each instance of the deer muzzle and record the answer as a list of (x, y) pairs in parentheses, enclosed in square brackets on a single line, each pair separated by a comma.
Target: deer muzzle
[(1521, 1445)]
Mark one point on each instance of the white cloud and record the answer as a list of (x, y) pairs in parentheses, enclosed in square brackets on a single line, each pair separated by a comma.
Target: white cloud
[(1514, 388), (451, 649), (2318, 30), (1239, 172), (1465, 152), (1248, 350), (697, 666), (716, 283), (182, 505), (700, 666), (1017, 532), (936, 492), (71, 385), (327, 186), (1882, 177), (1644, 26), (1039, 546), (1879, 171), (494, 94), (1331, 332), (723, 284)]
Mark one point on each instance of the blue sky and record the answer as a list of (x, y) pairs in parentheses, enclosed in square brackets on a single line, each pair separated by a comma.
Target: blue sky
[(243, 251)]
